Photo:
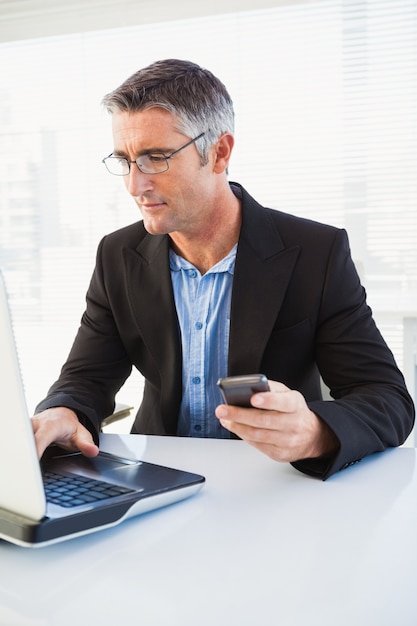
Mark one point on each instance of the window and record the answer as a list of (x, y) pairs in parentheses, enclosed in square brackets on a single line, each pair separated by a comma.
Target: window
[(326, 99)]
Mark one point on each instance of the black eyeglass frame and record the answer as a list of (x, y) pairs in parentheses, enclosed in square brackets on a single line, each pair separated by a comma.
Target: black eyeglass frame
[(156, 153)]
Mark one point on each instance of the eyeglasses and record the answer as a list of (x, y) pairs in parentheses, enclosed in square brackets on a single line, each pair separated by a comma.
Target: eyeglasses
[(150, 163)]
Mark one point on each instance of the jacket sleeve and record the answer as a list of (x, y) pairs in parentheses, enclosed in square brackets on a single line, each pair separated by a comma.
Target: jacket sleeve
[(371, 409)]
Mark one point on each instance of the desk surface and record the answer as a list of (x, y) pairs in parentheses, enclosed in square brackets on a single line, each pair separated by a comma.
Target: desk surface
[(260, 544)]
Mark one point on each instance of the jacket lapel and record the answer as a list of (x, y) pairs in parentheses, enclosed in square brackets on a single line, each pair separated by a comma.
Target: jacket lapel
[(153, 310), (262, 272)]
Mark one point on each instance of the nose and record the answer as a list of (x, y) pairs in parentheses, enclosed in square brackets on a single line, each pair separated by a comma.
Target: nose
[(137, 183)]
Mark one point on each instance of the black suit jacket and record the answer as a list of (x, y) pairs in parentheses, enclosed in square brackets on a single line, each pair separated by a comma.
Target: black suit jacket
[(298, 310)]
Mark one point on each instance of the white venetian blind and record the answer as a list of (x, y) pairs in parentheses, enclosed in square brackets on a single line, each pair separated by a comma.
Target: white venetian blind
[(325, 95)]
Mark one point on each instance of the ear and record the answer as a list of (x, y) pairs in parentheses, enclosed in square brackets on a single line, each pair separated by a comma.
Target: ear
[(222, 152)]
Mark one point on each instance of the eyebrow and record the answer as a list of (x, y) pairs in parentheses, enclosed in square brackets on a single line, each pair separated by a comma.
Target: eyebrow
[(121, 153)]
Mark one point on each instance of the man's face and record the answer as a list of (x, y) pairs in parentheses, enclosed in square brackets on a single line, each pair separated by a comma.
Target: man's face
[(172, 201)]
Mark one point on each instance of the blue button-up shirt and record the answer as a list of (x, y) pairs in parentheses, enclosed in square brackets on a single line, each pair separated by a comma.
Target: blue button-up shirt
[(203, 308)]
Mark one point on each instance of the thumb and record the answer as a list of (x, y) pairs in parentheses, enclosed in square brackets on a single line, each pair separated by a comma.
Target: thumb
[(83, 440)]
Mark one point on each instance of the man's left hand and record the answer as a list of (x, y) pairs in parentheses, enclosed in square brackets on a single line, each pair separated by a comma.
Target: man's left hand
[(280, 424)]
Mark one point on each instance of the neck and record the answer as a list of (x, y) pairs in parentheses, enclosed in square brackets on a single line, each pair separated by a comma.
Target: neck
[(209, 245)]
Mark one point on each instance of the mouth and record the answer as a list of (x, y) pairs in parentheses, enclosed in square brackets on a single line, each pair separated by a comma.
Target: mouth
[(150, 207)]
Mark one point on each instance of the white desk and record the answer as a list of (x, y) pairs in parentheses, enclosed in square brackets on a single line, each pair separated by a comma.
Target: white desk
[(261, 544)]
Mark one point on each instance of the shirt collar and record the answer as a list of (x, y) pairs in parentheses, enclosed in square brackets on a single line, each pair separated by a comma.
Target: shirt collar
[(227, 264)]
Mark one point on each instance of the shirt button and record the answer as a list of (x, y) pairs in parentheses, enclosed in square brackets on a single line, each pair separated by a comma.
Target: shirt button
[(192, 273), (197, 427), (196, 380), (198, 325)]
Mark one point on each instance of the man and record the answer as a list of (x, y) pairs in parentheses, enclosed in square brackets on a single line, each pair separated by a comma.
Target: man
[(210, 283)]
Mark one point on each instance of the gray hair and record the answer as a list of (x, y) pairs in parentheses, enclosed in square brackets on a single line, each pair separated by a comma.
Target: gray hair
[(199, 100)]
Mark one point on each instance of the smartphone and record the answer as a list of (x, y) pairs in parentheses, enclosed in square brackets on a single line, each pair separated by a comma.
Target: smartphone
[(238, 390)]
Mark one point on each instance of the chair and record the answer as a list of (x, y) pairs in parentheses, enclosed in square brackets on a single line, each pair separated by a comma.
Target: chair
[(121, 411)]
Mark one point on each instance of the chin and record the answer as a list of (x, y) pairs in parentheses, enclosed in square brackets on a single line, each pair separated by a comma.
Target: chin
[(155, 229)]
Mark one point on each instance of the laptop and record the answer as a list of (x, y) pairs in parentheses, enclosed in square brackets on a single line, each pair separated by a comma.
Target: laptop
[(67, 495)]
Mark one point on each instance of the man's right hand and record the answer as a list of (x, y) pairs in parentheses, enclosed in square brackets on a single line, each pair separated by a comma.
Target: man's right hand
[(60, 425)]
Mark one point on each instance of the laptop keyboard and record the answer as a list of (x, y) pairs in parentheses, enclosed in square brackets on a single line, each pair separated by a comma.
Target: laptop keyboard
[(70, 490)]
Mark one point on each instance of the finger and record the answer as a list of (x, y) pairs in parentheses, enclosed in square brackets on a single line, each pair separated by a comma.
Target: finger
[(278, 446), (80, 441), (283, 445), (265, 432), (62, 427), (46, 432), (280, 399), (83, 441), (264, 419), (277, 387), (41, 442)]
